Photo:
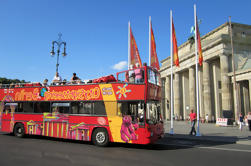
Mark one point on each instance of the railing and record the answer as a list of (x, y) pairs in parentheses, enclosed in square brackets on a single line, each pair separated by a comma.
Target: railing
[(59, 83)]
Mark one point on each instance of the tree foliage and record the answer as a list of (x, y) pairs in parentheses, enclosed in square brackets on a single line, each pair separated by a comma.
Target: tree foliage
[(4, 80)]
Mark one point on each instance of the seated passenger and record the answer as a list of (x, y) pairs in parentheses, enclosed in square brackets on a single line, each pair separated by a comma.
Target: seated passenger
[(64, 82), (74, 78), (131, 74), (45, 83), (138, 74), (12, 85), (57, 79)]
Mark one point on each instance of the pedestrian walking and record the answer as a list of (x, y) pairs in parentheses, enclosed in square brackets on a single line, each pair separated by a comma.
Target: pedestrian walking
[(192, 116), (241, 121), (249, 120), (207, 118)]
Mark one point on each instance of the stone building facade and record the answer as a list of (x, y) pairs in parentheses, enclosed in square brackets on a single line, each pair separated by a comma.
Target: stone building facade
[(217, 94)]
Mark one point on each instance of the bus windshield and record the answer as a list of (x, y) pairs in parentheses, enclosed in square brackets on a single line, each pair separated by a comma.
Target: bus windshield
[(153, 77)]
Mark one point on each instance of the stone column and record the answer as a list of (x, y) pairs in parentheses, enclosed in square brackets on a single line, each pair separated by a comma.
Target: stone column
[(192, 88), (245, 98), (185, 96), (225, 83), (176, 94), (217, 91), (207, 90), (201, 99), (237, 102), (163, 99), (167, 98)]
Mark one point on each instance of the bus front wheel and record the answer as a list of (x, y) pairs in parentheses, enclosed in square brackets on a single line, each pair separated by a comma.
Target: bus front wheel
[(100, 137), (19, 130)]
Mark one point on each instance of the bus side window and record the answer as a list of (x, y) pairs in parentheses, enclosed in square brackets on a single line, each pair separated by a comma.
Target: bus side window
[(41, 107), (20, 107), (74, 107), (63, 108), (6, 108), (124, 108), (28, 107), (119, 109), (37, 108), (99, 108), (85, 108), (10, 107)]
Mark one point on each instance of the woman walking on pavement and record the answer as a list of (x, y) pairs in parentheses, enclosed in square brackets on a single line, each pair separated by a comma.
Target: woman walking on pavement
[(192, 116)]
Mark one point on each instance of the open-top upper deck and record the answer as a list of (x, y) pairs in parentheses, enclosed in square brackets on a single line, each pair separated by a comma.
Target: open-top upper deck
[(127, 86)]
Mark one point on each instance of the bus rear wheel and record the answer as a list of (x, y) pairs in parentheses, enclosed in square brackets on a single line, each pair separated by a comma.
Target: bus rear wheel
[(19, 130), (100, 137)]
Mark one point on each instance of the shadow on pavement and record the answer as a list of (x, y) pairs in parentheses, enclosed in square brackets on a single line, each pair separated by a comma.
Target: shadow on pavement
[(183, 139), (156, 147)]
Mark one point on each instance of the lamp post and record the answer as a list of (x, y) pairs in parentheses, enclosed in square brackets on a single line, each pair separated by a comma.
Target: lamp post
[(59, 43)]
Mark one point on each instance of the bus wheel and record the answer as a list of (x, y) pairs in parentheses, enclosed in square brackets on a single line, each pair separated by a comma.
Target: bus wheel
[(19, 130), (100, 137)]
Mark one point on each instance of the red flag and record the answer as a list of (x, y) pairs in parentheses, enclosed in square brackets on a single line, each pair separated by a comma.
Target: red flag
[(199, 43), (134, 52), (154, 59), (175, 47)]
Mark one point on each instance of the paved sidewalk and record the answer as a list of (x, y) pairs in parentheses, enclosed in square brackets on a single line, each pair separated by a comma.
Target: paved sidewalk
[(209, 132)]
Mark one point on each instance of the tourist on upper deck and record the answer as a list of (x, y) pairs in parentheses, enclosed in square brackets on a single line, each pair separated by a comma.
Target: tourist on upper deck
[(131, 74), (74, 78), (64, 82), (45, 83), (138, 74), (57, 79), (12, 85)]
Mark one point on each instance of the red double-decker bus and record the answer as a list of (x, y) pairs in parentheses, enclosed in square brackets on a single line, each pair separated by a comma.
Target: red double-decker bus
[(124, 109)]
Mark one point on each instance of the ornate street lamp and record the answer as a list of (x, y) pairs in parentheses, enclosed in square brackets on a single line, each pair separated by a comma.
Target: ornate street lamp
[(59, 43)]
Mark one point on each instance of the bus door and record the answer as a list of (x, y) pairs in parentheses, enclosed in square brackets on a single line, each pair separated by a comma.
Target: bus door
[(132, 114)]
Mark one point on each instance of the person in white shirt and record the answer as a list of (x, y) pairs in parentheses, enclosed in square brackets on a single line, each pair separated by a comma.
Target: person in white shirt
[(207, 118), (57, 79)]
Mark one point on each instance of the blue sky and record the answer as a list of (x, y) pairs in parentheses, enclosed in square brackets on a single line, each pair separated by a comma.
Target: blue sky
[(96, 32)]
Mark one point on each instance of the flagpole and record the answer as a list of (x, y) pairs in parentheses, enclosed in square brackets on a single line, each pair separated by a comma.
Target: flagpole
[(150, 26), (129, 44), (171, 53), (197, 81)]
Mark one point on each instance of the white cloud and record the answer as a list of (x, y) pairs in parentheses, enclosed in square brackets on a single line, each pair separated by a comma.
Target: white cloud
[(120, 66)]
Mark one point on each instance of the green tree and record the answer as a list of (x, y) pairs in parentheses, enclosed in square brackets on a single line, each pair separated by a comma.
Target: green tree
[(4, 80)]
